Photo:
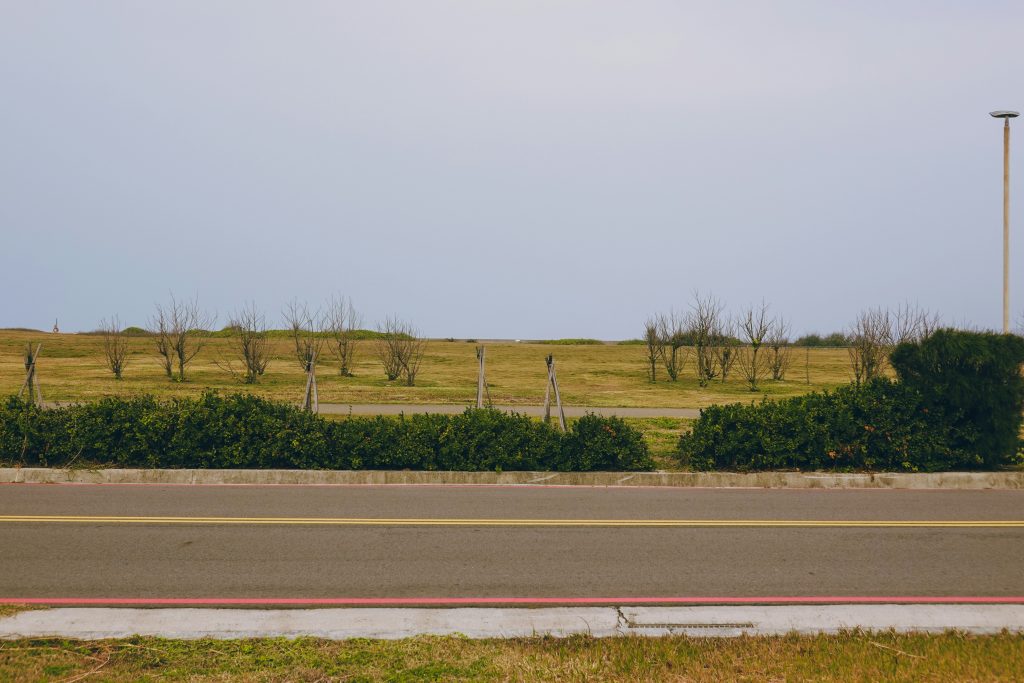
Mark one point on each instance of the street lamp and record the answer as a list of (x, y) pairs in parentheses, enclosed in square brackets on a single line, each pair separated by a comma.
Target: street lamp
[(1006, 116)]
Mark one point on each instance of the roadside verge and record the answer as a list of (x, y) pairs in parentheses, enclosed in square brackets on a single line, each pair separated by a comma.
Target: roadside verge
[(774, 480)]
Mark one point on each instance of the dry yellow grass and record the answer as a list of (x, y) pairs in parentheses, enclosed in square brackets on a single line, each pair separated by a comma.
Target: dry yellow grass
[(71, 368), (844, 657)]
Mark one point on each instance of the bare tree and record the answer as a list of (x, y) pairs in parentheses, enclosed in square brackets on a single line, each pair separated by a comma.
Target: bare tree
[(780, 351), (754, 328), (306, 328), (414, 347), (655, 345), (400, 349), (115, 345), (249, 344), (180, 330), (725, 347), (307, 331), (911, 323), (704, 325), (673, 337), (870, 340), (877, 331), (160, 330), (342, 322), (387, 347)]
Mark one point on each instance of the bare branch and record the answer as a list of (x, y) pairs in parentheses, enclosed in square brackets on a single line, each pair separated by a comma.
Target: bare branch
[(181, 331), (704, 326), (655, 345), (673, 337), (342, 321), (870, 339), (754, 328), (249, 344), (115, 345), (306, 328), (400, 349), (780, 349)]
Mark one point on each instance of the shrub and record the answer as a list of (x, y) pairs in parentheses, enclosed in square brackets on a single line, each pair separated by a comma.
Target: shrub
[(957, 406), (878, 426), (248, 432), (570, 342), (603, 443), (974, 380), (836, 339)]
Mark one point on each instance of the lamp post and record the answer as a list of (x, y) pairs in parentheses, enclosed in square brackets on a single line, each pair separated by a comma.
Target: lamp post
[(1006, 116)]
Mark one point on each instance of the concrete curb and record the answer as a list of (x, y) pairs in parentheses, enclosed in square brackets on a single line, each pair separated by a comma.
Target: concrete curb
[(772, 480), (602, 622)]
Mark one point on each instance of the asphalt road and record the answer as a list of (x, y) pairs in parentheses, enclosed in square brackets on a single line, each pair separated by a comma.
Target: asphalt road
[(413, 542)]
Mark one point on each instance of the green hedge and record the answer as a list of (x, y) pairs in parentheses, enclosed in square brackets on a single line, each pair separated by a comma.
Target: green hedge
[(973, 380), (957, 406), (248, 432)]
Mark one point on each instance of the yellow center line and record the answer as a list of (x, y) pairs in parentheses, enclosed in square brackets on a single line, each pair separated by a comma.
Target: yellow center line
[(374, 521)]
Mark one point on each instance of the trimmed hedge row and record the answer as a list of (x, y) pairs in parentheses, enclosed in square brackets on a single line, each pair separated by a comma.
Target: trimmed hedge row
[(957, 405), (247, 432), (879, 426)]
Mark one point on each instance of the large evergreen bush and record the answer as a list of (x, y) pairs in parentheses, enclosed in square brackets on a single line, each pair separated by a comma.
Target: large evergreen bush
[(974, 381), (957, 405)]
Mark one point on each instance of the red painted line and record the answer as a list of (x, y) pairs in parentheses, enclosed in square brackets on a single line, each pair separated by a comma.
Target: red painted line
[(666, 600)]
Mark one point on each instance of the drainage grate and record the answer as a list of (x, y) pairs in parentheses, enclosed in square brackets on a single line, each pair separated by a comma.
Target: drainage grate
[(738, 624)]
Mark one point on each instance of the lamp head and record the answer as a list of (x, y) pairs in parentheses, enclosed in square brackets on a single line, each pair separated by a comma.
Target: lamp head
[(1004, 114)]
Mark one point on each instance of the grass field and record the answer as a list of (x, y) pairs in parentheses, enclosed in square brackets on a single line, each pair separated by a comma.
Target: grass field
[(844, 657), (71, 368)]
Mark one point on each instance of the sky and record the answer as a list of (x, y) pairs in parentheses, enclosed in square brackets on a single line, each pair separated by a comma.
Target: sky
[(510, 169)]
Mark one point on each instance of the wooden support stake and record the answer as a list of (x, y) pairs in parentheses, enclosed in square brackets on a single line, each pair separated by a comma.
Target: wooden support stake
[(311, 399), (480, 381), (553, 383), (35, 392)]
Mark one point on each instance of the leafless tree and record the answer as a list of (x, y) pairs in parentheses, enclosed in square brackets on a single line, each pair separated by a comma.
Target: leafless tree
[(725, 347), (160, 330), (673, 335), (249, 345), (400, 349), (306, 328), (387, 348), (870, 340), (704, 326), (181, 331), (342, 322), (911, 323), (414, 348), (780, 351), (655, 345), (877, 331), (754, 327), (115, 345)]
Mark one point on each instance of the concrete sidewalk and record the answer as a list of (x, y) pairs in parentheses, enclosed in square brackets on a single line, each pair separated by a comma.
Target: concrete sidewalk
[(337, 624)]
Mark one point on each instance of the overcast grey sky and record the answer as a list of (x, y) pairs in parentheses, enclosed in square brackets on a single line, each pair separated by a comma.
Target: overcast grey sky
[(506, 169)]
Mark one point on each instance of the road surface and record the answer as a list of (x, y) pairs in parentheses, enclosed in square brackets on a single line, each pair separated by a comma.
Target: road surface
[(417, 545)]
